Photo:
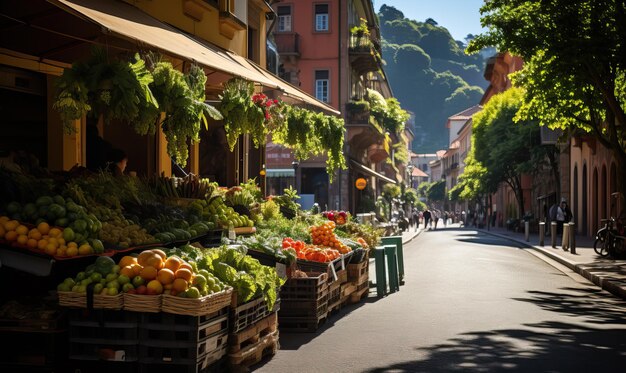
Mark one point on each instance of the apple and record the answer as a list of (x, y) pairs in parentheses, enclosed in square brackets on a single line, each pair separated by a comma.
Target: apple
[(142, 289), (342, 214), (123, 279), (138, 281), (112, 291), (127, 287), (97, 289), (111, 276), (330, 216), (113, 284)]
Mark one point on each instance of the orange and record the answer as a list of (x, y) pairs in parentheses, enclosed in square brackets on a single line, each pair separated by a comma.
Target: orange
[(143, 256), (185, 274), (136, 268), (51, 249), (34, 234), (62, 252), (160, 253), (22, 230), (11, 225), (71, 251), (186, 266), (179, 285), (148, 273), (55, 232), (127, 260), (11, 236), (22, 239), (127, 271), (72, 244), (43, 227), (42, 244), (53, 241), (85, 250), (173, 263), (32, 243), (154, 287), (165, 276)]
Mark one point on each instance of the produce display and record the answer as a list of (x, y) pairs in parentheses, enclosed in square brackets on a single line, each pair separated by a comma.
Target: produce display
[(54, 241), (339, 217), (152, 272), (324, 235)]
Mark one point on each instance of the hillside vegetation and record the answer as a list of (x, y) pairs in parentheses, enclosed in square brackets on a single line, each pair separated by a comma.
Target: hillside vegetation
[(430, 74)]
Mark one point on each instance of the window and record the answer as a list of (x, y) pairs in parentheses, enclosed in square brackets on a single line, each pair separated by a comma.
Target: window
[(284, 18), (322, 84), (321, 17)]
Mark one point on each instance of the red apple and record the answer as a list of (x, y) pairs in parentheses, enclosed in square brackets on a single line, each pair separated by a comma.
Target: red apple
[(330, 216), (142, 290)]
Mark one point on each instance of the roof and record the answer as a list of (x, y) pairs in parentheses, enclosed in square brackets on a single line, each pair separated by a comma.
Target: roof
[(464, 115), (418, 173)]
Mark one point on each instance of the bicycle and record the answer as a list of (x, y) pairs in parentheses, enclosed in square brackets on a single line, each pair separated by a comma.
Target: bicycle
[(601, 243), (610, 239)]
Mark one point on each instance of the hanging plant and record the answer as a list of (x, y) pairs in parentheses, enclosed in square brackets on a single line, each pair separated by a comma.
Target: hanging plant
[(241, 114), (331, 137), (181, 98), (114, 90)]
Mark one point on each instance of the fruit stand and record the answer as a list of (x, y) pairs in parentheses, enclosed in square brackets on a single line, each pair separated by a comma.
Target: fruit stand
[(144, 280)]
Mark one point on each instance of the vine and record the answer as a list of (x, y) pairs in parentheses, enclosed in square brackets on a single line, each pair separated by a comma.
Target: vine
[(241, 114)]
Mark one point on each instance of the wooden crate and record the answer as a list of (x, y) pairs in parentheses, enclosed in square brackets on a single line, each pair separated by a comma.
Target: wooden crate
[(254, 353), (252, 334)]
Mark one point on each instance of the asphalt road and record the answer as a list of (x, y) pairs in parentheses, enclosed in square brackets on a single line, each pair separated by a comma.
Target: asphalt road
[(471, 302)]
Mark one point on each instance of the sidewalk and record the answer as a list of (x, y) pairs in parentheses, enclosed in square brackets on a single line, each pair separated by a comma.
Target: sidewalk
[(608, 274)]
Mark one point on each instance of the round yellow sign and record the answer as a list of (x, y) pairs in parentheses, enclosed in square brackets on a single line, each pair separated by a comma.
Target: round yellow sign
[(360, 183)]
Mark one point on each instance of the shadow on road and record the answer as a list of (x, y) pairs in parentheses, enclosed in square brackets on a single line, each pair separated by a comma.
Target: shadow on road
[(548, 346)]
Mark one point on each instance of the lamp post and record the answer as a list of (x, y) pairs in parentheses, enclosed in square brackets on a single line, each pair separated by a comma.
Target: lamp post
[(295, 165)]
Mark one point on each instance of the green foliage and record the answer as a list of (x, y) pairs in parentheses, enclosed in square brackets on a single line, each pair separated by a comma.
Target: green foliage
[(574, 62), (387, 112), (426, 67), (433, 191), (240, 113), (391, 191), (409, 197)]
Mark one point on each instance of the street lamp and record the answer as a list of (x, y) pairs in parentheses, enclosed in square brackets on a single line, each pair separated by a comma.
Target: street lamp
[(295, 165)]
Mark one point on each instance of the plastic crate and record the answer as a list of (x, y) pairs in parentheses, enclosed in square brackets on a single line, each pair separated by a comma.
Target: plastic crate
[(246, 314), (174, 333), (304, 308), (305, 288), (181, 352)]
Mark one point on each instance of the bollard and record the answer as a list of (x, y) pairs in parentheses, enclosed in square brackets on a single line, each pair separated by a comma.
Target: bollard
[(542, 232), (565, 242), (553, 233), (527, 231), (572, 238)]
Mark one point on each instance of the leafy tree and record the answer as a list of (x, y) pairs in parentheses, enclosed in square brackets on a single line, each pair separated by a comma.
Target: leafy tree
[(434, 191), (575, 57), (457, 102), (409, 58), (505, 149), (389, 13), (401, 31)]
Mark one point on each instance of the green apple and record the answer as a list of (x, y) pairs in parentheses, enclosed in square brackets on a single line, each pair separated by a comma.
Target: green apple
[(80, 276), (126, 287), (97, 289), (63, 287), (113, 284), (112, 291), (138, 281), (96, 277), (111, 276), (123, 279), (116, 269)]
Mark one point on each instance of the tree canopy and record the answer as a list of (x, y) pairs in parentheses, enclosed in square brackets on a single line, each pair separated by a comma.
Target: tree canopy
[(574, 57)]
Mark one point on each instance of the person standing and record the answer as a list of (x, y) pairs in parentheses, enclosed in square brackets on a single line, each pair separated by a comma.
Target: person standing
[(426, 215), (563, 215)]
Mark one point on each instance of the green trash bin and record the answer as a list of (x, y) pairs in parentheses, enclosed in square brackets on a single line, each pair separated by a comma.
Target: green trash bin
[(381, 273), (397, 240), (392, 267)]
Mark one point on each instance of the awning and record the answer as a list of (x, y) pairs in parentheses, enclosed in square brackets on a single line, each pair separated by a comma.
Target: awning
[(129, 22), (284, 86), (366, 170), (280, 172)]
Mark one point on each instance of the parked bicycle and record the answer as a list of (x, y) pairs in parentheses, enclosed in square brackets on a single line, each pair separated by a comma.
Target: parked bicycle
[(610, 239)]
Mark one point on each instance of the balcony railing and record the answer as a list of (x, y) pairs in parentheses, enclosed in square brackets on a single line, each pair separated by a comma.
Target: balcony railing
[(364, 56), (287, 43), (357, 112)]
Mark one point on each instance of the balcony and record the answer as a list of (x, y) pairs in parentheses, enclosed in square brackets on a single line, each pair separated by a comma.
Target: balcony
[(233, 17), (357, 112), (364, 56), (288, 43)]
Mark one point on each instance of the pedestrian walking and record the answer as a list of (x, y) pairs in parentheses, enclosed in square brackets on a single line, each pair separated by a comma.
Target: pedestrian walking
[(436, 217), (427, 215), (415, 218)]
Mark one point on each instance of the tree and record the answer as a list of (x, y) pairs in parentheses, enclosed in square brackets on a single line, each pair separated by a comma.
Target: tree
[(574, 74), (506, 149)]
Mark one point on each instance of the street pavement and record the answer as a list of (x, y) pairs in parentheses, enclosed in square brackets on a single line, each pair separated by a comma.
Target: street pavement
[(606, 273)]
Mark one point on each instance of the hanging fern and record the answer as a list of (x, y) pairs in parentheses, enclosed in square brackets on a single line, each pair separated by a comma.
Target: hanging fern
[(241, 115)]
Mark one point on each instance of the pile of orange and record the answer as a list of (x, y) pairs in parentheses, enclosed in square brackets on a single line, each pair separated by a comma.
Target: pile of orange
[(162, 274), (42, 237), (324, 235)]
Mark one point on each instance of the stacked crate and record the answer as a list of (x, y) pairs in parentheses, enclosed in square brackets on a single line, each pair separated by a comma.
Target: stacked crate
[(105, 337), (304, 303), (335, 301), (182, 343), (254, 332), (357, 287)]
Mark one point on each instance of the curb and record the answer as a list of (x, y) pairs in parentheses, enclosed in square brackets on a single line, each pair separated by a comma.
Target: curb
[(603, 282)]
